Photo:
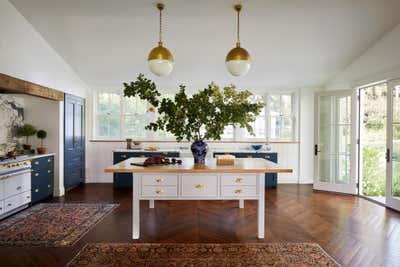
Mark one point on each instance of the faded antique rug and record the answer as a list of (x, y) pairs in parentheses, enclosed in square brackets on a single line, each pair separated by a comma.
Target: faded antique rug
[(199, 255), (52, 224)]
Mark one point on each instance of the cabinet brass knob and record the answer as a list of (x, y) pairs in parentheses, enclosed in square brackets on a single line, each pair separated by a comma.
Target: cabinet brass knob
[(36, 190), (36, 174), (159, 180), (49, 160), (48, 171), (37, 162), (48, 185), (267, 157), (198, 186), (159, 191), (123, 156), (238, 180), (238, 191)]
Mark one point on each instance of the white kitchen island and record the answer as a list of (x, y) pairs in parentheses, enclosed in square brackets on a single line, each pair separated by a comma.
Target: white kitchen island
[(242, 181)]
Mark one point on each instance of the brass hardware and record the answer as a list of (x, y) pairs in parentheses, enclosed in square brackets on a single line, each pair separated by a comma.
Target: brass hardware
[(267, 157), (159, 180), (48, 171), (238, 53), (238, 180), (159, 191), (36, 174), (37, 162), (36, 190), (238, 191), (249, 156), (49, 160), (198, 186), (48, 186), (123, 156)]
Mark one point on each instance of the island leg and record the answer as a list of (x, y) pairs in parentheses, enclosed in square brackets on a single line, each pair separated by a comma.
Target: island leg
[(261, 205), (151, 203), (241, 203), (135, 208)]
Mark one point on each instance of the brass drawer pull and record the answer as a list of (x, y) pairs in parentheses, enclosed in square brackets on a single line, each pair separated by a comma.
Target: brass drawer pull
[(238, 191), (159, 191), (238, 180), (37, 174), (199, 186), (48, 185), (49, 160), (159, 180), (48, 171), (123, 156), (37, 162), (36, 190), (267, 157)]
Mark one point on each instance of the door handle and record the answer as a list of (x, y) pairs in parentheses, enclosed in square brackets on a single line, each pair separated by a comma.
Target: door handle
[(387, 155), (316, 151)]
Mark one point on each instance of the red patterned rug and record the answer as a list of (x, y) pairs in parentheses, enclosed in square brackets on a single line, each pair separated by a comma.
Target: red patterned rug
[(52, 224), (199, 255)]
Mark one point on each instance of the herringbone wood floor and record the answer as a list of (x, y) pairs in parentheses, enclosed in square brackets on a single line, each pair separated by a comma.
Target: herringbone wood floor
[(354, 231)]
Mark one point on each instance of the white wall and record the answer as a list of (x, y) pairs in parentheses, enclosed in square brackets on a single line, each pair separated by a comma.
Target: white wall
[(26, 55), (380, 62)]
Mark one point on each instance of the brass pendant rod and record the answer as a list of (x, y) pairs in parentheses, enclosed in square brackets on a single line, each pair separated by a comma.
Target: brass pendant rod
[(238, 29), (160, 7)]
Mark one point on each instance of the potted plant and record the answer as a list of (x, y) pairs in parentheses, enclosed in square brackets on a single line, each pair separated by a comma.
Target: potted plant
[(41, 134), (26, 131), (199, 117)]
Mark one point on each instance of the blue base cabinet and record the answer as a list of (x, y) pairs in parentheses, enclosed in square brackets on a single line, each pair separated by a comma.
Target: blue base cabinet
[(42, 178), (124, 180), (271, 179)]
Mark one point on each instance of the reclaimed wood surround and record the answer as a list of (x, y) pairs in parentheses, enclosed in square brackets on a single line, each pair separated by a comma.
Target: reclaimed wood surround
[(9, 84)]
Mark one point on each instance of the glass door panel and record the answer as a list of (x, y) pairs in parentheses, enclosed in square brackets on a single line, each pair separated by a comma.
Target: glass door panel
[(393, 162), (333, 148)]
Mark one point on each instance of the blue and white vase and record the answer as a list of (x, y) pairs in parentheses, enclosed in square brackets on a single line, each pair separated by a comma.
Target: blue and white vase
[(199, 150)]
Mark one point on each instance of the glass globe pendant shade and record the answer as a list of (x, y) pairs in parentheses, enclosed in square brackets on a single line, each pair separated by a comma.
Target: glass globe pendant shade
[(161, 61), (238, 61)]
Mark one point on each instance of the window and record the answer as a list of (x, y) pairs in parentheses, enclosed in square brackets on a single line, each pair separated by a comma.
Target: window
[(281, 116), (118, 117)]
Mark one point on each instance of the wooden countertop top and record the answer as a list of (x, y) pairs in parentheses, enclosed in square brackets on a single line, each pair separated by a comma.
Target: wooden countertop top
[(242, 165)]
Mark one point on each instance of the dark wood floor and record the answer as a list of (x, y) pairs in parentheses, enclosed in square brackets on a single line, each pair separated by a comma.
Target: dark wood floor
[(354, 231)]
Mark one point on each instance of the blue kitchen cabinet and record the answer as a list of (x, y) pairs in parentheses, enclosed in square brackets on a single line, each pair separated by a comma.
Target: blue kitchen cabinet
[(42, 178), (124, 180), (271, 179)]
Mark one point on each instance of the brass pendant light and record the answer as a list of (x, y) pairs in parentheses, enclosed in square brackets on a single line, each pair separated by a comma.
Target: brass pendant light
[(238, 61), (160, 59)]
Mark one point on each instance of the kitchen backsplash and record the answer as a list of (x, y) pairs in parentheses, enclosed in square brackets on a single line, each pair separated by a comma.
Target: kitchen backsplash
[(11, 116)]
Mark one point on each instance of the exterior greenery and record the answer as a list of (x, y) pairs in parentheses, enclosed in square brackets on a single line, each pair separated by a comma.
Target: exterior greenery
[(203, 115), (26, 131)]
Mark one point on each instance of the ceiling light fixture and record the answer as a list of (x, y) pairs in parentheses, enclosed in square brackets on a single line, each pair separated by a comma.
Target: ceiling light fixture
[(238, 60), (161, 61)]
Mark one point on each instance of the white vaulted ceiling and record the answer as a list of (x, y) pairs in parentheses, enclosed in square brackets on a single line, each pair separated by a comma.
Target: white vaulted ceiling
[(293, 43)]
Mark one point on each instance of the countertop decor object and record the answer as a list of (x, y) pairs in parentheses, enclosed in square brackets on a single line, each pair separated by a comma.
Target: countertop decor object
[(26, 131), (199, 117), (41, 134), (241, 181), (256, 147)]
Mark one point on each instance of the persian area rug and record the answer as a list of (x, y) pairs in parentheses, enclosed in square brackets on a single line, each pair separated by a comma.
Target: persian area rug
[(199, 255), (52, 224)]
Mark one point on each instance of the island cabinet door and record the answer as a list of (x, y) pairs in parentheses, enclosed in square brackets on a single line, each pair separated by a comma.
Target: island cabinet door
[(42, 177)]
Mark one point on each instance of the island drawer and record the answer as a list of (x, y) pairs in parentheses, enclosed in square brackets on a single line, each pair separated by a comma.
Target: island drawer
[(159, 179), (159, 191), (239, 179), (199, 185), (239, 191)]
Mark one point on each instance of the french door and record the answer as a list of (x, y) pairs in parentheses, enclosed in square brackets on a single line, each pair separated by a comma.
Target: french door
[(334, 150), (393, 146)]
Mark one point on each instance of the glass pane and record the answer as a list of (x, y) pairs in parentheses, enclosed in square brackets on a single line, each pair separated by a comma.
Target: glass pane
[(396, 162), (135, 106), (134, 126), (396, 104), (275, 104), (108, 126), (286, 105), (275, 122), (228, 133), (286, 131), (343, 176), (325, 110), (108, 104), (327, 168), (344, 143), (258, 126), (344, 106), (373, 141)]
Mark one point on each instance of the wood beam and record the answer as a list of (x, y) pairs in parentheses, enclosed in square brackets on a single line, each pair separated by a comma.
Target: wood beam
[(11, 85)]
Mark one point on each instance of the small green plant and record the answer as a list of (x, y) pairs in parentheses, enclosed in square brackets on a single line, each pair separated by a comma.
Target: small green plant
[(41, 134), (26, 131), (202, 116)]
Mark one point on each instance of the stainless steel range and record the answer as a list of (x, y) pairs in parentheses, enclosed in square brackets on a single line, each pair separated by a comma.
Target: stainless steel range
[(15, 185)]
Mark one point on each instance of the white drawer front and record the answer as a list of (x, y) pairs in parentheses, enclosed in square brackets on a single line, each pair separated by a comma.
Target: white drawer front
[(2, 194), (1, 207), (199, 185), (17, 184), (239, 191), (17, 201), (239, 179), (159, 191), (159, 179)]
